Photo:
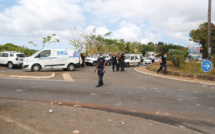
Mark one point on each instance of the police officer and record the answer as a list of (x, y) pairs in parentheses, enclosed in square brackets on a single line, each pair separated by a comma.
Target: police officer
[(122, 57), (82, 58), (114, 61), (118, 61), (101, 69), (163, 64)]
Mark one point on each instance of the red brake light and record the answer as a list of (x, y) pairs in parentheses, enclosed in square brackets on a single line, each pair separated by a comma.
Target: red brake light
[(17, 59)]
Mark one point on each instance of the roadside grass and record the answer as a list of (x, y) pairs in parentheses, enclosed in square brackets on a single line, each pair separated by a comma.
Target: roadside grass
[(191, 67)]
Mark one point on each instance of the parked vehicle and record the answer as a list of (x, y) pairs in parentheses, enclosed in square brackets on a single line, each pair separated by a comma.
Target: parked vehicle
[(132, 60), (11, 58), (147, 61), (67, 59), (93, 59)]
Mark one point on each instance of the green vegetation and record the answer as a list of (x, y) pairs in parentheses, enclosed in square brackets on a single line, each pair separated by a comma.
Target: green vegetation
[(177, 56), (46, 41), (12, 47), (200, 36)]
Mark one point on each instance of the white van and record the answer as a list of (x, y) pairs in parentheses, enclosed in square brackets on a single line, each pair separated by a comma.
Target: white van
[(132, 60), (67, 59)]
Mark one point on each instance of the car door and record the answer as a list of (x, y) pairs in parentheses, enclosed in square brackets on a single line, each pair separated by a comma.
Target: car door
[(1, 58), (44, 59), (5, 58), (132, 60)]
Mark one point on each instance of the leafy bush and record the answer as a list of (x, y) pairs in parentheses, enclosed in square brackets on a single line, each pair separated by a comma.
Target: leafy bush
[(177, 60), (177, 56), (12, 47)]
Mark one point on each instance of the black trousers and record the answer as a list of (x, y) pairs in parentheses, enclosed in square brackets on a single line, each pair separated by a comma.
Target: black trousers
[(100, 74), (114, 64), (161, 67)]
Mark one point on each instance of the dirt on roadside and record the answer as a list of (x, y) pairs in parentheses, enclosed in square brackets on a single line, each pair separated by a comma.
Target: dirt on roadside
[(28, 117)]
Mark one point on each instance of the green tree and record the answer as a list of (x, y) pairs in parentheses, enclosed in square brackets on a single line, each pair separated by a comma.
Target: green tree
[(200, 36), (12, 47), (46, 41), (160, 43), (151, 44), (162, 49), (144, 48)]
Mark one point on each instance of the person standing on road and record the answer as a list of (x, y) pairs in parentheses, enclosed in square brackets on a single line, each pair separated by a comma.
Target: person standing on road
[(153, 58), (122, 61), (163, 64), (101, 69), (118, 61), (114, 61), (82, 58)]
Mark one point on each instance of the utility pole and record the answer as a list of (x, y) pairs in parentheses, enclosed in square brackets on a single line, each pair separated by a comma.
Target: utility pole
[(209, 29)]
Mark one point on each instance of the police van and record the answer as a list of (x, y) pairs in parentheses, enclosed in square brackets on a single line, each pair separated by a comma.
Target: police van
[(67, 59)]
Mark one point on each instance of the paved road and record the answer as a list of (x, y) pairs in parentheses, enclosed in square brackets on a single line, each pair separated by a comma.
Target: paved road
[(130, 92)]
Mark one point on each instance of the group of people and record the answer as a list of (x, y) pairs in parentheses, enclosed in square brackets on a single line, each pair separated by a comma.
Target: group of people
[(118, 60)]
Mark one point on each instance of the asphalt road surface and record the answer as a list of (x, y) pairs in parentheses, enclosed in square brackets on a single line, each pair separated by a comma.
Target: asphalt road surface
[(131, 93)]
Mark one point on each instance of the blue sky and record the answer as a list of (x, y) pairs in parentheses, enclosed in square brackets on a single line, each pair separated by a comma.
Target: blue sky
[(137, 20)]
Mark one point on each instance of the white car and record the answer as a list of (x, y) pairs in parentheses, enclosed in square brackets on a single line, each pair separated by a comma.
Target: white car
[(11, 58), (132, 60), (93, 60), (147, 61), (67, 59)]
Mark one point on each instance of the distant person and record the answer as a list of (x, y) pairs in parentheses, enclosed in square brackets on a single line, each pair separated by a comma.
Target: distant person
[(153, 58), (82, 58), (122, 61), (118, 61), (114, 61), (163, 64), (101, 69)]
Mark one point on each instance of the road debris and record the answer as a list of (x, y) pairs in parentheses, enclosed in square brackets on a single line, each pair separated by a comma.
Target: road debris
[(60, 103), (50, 111), (121, 122), (76, 132)]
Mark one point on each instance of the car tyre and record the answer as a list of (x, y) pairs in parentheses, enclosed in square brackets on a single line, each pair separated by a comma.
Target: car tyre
[(94, 63), (10, 65), (108, 63), (71, 67), (36, 68)]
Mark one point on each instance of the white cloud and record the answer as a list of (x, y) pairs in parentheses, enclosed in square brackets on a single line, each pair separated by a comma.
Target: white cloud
[(98, 30), (127, 31), (138, 20), (32, 16)]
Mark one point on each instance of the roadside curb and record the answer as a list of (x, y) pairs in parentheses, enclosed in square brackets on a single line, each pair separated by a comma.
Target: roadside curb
[(196, 76), (178, 78), (24, 76)]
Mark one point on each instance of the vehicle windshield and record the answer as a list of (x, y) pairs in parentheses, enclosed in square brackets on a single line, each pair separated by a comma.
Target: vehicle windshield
[(20, 55), (94, 56), (148, 59), (35, 54), (127, 57)]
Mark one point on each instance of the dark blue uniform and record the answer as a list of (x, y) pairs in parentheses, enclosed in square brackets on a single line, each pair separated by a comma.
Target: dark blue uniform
[(114, 62), (163, 64), (100, 62), (122, 62)]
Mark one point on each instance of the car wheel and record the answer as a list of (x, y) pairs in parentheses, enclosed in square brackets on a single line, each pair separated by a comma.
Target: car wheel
[(71, 67), (94, 63), (108, 63), (10, 65), (36, 68), (64, 69)]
